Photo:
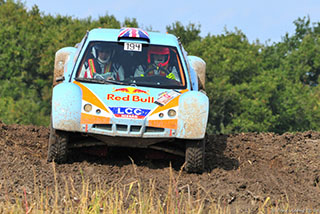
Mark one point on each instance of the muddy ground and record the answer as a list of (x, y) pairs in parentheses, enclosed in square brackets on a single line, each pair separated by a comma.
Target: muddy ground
[(242, 170)]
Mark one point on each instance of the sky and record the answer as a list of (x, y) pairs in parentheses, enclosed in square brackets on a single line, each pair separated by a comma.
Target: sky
[(265, 20)]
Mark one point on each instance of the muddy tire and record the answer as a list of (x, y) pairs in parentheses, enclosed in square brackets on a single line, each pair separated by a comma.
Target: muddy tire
[(195, 156), (58, 146)]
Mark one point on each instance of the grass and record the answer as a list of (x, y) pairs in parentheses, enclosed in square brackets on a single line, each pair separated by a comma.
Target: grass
[(134, 197)]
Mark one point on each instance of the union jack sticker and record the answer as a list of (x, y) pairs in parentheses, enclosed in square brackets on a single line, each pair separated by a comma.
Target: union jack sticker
[(133, 33)]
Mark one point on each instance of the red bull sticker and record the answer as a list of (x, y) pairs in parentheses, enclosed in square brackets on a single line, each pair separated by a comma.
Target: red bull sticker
[(132, 98), (131, 90), (128, 112), (165, 97)]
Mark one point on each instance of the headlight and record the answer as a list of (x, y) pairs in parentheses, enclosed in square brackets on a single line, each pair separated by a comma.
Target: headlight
[(172, 113), (87, 107)]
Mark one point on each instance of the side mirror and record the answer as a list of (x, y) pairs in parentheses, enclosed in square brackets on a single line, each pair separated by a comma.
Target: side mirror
[(60, 79), (61, 58), (199, 66)]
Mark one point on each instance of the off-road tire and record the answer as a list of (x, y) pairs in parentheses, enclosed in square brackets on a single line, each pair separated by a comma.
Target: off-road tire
[(195, 156), (58, 146)]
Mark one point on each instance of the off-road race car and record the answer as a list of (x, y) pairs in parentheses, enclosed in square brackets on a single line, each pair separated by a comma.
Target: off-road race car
[(134, 101)]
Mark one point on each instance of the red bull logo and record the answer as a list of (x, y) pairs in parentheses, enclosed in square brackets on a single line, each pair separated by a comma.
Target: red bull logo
[(130, 90), (125, 90)]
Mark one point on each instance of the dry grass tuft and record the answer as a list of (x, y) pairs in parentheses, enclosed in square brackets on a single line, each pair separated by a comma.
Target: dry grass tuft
[(133, 197)]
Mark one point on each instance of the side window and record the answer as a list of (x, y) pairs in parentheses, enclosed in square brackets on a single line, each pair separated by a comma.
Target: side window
[(84, 62), (185, 54), (185, 59)]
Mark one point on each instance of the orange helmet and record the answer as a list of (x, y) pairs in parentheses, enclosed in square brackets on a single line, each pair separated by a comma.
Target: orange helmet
[(157, 50)]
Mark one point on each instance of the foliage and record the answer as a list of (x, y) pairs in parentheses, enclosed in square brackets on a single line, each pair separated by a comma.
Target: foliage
[(231, 61), (187, 34), (130, 22), (260, 88), (251, 87), (29, 41)]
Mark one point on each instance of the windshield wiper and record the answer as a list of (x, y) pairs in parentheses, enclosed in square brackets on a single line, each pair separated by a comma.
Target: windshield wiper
[(153, 85), (101, 81), (116, 82)]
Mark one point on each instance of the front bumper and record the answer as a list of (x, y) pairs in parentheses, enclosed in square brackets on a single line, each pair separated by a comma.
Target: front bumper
[(128, 128)]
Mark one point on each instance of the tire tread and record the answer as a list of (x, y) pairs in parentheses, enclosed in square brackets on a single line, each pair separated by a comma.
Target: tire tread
[(195, 156), (58, 146)]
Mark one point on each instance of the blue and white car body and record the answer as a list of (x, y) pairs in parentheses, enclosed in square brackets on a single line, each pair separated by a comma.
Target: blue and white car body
[(136, 111)]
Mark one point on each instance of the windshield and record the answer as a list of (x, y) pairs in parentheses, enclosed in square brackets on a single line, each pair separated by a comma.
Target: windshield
[(132, 63)]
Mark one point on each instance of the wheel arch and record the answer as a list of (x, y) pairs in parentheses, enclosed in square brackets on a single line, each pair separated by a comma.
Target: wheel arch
[(66, 107), (193, 115)]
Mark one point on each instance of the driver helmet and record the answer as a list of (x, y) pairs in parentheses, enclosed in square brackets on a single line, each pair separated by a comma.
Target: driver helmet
[(159, 55), (103, 52)]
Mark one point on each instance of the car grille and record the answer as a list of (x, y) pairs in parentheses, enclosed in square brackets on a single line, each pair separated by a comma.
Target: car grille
[(107, 127), (150, 129), (125, 128)]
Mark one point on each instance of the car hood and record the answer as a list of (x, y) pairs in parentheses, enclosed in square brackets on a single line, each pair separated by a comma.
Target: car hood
[(128, 101)]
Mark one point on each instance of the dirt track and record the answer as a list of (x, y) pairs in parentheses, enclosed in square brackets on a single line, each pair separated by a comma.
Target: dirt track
[(242, 169)]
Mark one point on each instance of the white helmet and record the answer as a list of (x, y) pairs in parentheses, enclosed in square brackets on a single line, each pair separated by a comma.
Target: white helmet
[(106, 53)]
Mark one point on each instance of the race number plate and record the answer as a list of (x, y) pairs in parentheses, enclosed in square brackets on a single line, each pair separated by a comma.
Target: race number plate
[(128, 46)]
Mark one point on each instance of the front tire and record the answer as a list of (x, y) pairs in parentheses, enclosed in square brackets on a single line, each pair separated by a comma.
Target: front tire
[(195, 156), (58, 146)]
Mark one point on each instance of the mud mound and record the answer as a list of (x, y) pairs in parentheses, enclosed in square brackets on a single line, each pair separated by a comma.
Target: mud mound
[(242, 169)]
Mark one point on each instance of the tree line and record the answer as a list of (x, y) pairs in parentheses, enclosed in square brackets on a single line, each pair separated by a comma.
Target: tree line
[(252, 87)]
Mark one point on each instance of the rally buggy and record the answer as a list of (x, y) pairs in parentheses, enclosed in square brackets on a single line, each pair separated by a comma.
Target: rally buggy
[(168, 112)]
